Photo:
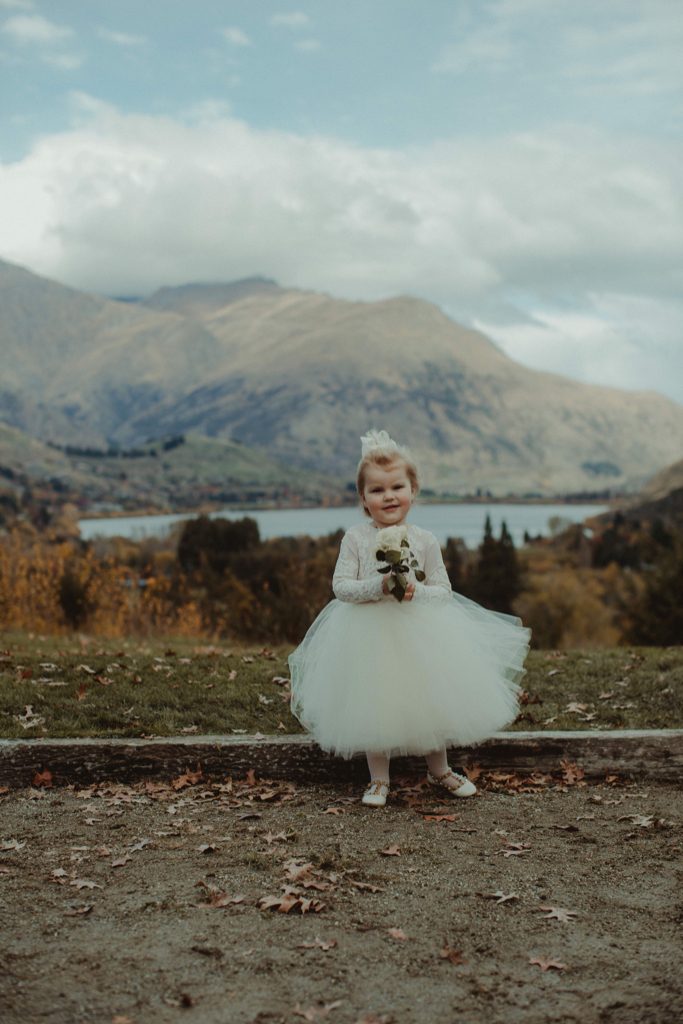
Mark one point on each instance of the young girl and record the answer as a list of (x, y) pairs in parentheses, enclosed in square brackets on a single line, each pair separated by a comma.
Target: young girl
[(415, 676)]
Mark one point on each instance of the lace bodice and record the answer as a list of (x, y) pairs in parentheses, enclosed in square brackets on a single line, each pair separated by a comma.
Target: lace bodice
[(356, 577)]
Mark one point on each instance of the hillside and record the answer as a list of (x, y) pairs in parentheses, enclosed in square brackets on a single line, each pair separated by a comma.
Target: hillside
[(174, 473), (299, 376)]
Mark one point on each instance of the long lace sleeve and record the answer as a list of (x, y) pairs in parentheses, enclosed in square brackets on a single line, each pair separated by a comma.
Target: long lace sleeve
[(436, 586), (345, 582)]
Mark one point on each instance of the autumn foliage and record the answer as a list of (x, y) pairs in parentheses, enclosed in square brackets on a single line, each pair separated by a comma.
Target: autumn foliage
[(217, 579)]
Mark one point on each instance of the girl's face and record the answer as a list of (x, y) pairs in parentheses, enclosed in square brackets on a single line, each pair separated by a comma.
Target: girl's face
[(387, 494)]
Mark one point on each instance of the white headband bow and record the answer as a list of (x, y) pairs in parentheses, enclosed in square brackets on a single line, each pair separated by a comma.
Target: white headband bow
[(377, 439)]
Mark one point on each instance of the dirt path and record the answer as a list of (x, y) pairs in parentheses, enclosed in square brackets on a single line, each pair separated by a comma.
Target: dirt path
[(116, 904)]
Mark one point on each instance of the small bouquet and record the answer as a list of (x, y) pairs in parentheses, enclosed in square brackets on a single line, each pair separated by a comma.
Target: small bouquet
[(394, 549)]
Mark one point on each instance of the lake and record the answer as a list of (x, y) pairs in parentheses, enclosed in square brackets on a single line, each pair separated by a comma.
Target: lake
[(447, 520)]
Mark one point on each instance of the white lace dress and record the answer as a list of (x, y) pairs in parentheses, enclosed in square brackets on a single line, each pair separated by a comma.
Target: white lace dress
[(373, 674)]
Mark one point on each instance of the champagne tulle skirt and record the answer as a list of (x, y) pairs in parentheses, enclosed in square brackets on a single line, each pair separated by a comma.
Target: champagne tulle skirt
[(407, 678)]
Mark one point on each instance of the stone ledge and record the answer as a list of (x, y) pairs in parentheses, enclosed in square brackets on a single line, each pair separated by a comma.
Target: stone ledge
[(655, 754)]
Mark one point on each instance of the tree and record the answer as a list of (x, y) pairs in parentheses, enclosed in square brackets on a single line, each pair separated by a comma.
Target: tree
[(495, 582), (657, 615)]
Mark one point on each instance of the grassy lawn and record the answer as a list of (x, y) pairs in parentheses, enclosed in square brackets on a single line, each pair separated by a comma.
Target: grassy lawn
[(75, 686)]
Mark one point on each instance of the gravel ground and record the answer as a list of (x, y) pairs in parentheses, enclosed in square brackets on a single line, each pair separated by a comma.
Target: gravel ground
[(540, 900)]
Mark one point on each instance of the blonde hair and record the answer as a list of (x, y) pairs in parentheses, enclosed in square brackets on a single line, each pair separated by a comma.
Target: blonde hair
[(385, 457)]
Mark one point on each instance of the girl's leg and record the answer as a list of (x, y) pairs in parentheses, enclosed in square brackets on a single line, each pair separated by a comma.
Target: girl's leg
[(437, 762), (378, 765), (455, 781), (378, 789)]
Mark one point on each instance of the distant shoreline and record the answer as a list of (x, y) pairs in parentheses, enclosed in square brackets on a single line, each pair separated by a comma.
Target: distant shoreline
[(273, 506)]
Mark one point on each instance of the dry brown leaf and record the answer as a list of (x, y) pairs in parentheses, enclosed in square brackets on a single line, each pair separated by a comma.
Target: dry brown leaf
[(547, 964), (397, 933), (43, 778), (515, 849), (85, 883), (454, 956), (391, 851), (188, 779), (440, 817), (571, 773)]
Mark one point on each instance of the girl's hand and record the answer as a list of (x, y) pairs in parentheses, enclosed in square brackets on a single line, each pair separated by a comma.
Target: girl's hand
[(408, 596)]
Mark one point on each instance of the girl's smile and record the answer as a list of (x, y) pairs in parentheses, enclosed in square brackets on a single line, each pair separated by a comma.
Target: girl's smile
[(387, 495)]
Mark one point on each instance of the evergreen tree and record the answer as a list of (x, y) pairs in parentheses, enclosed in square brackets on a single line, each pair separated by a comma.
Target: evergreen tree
[(495, 582), (453, 561), (657, 616)]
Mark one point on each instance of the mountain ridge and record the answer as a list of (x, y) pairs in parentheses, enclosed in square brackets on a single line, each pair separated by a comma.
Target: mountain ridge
[(299, 375)]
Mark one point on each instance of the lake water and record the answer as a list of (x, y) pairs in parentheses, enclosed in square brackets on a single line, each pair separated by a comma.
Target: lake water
[(465, 521)]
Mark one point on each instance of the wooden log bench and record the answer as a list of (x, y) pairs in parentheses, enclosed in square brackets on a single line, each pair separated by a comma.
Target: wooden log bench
[(647, 754)]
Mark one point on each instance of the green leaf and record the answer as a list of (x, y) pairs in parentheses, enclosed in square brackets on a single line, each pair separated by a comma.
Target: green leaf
[(404, 543), (381, 556), (385, 569), (419, 575)]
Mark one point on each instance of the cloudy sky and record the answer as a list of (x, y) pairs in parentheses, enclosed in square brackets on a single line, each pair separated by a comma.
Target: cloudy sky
[(517, 162)]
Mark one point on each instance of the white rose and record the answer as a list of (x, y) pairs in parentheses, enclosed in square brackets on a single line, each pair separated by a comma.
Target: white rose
[(389, 539)]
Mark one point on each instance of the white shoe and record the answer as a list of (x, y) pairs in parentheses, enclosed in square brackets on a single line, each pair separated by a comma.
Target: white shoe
[(376, 793), (455, 783)]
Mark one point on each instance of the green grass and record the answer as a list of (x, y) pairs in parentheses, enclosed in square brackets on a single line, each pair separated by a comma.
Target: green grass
[(181, 687)]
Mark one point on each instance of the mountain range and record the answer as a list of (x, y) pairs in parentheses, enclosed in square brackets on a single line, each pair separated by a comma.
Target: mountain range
[(299, 376)]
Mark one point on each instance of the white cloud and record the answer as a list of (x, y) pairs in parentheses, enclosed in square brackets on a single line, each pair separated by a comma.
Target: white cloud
[(565, 244), (34, 29), (121, 38), (236, 36), (626, 341), (293, 19), (624, 47), (17, 5)]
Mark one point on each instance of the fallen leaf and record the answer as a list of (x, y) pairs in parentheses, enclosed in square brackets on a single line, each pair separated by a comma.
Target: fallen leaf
[(314, 1013), (318, 944), (454, 956), (364, 885), (558, 914), (640, 820), (79, 911), (11, 844), (188, 779), (29, 720), (140, 845), (207, 848), (499, 896), (391, 851), (43, 778), (217, 898), (397, 933), (291, 900), (85, 883), (571, 773), (119, 863), (439, 817), (547, 964), (515, 849)]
